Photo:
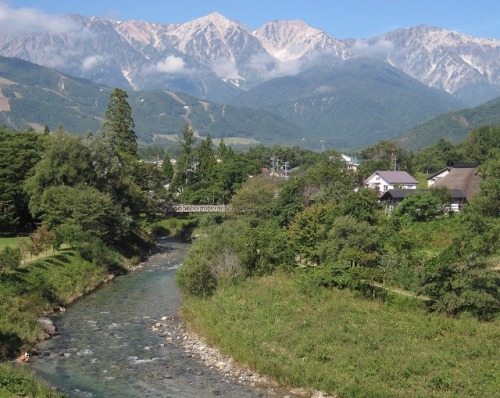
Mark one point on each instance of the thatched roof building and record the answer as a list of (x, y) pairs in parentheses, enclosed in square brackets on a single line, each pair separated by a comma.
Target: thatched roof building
[(462, 177)]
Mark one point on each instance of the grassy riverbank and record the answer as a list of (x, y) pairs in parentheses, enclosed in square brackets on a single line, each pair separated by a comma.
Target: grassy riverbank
[(35, 288), (336, 342)]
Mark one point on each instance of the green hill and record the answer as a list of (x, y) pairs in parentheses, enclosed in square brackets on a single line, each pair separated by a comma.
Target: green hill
[(35, 96), (453, 126), (352, 104)]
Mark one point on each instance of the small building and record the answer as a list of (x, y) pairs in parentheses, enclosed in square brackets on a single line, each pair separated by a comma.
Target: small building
[(394, 197), (386, 179), (463, 176), (351, 163)]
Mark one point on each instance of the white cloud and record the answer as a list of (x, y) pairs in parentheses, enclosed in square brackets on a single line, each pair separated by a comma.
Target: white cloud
[(225, 68), (269, 67), (90, 62), (25, 20), (380, 48), (171, 64)]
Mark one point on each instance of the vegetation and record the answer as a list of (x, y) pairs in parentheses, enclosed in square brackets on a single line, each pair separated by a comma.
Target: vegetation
[(86, 197), (323, 241), (335, 341), (310, 282), (452, 127), (16, 382)]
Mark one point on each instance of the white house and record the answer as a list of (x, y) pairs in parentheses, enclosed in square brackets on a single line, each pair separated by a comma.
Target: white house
[(350, 162), (384, 180)]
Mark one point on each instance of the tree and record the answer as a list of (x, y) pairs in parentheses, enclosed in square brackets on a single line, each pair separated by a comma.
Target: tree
[(309, 228), (421, 206), (362, 204), (459, 282), (19, 152), (383, 156), (9, 259), (255, 197), (479, 142), (185, 165), (167, 168), (327, 180), (93, 211), (118, 124), (66, 161)]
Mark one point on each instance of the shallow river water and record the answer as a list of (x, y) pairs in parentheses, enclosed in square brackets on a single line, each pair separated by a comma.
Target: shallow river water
[(106, 348)]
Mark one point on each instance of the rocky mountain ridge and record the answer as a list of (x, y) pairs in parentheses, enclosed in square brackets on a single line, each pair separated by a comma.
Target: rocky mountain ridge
[(215, 58)]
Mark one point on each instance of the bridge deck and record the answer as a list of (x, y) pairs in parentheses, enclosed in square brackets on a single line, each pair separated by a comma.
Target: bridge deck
[(197, 208)]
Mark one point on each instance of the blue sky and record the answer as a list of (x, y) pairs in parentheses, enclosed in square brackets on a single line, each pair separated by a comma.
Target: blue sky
[(360, 19)]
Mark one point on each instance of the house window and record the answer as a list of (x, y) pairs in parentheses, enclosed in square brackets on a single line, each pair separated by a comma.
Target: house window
[(385, 187)]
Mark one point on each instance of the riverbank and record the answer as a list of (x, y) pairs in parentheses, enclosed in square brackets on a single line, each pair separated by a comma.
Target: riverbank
[(175, 332), (37, 289), (333, 341)]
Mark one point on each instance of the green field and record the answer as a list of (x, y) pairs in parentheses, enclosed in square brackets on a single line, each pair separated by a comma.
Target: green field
[(337, 342)]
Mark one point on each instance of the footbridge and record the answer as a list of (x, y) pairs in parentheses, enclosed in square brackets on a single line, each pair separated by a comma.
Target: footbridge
[(197, 208)]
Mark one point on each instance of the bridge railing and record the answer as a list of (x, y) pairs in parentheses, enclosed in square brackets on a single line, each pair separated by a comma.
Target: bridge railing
[(197, 208)]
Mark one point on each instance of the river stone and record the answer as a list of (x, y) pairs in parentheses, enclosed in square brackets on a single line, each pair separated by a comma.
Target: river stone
[(48, 326)]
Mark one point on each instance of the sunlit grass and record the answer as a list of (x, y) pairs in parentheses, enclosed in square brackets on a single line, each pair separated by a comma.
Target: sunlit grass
[(333, 341)]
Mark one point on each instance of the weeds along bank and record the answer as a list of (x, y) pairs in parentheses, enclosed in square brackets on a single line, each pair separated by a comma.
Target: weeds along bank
[(349, 346)]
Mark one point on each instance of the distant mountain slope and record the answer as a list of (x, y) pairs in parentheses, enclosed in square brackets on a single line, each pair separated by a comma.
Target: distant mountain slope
[(351, 104), (453, 126), (215, 58), (35, 96)]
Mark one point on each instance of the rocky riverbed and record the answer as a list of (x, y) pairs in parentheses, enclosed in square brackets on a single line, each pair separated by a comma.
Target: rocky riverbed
[(174, 332)]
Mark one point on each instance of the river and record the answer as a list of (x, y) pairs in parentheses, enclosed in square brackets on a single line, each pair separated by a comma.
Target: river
[(106, 346)]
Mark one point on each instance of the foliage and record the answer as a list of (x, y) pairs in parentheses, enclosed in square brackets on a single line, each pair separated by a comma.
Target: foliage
[(421, 206), (167, 168), (256, 196), (226, 253), (17, 382), (118, 123), (10, 258), (384, 155), (308, 229), (337, 342), (93, 211), (457, 283), (436, 157), (326, 180), (19, 152)]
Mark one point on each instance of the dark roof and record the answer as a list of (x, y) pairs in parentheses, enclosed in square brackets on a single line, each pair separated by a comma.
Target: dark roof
[(395, 177), (464, 165), (466, 179), (403, 193)]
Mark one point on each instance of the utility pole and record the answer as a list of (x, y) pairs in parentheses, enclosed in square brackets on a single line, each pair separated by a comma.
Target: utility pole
[(394, 161)]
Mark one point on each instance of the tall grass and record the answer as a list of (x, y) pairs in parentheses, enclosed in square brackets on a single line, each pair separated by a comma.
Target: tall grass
[(18, 382), (336, 342)]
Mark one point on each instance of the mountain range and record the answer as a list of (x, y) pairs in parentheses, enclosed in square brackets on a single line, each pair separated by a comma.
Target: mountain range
[(216, 58), (284, 83)]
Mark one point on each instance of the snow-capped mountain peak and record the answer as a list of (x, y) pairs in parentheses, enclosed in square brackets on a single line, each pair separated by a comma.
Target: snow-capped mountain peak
[(291, 40)]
